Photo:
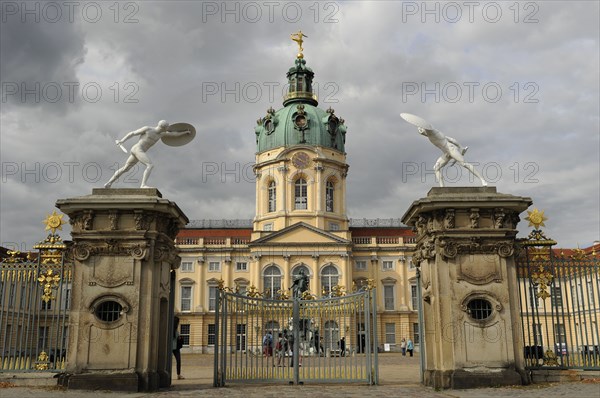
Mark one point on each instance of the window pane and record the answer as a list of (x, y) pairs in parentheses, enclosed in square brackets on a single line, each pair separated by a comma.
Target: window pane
[(388, 295), (184, 332), (212, 298), (416, 336), (186, 298), (390, 333), (272, 197), (300, 194), (329, 196), (414, 298), (211, 334)]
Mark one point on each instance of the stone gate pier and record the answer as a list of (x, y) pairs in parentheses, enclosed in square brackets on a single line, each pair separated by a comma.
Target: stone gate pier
[(121, 306), (471, 310)]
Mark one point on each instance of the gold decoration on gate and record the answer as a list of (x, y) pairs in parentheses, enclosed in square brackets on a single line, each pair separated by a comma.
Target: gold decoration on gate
[(42, 361), (536, 218), (54, 221), (542, 279), (49, 281)]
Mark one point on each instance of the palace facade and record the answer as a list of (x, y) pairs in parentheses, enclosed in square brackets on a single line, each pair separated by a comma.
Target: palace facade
[(300, 224)]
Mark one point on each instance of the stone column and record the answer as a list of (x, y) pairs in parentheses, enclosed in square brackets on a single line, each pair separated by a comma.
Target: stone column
[(471, 308), (119, 324)]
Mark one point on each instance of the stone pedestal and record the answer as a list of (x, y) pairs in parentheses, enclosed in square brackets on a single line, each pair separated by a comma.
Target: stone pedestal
[(471, 311), (121, 311)]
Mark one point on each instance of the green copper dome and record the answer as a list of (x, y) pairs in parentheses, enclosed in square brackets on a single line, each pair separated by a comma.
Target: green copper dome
[(300, 121)]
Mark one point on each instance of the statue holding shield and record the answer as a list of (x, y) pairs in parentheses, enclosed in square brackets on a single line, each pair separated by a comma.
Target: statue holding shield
[(172, 135)]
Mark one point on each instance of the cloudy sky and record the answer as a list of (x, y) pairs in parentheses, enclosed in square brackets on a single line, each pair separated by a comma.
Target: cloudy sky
[(517, 82)]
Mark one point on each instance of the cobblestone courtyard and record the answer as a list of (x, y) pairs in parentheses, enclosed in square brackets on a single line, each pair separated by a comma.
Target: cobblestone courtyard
[(399, 377)]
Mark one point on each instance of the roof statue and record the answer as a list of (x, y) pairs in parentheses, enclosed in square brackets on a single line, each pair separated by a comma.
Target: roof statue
[(450, 148), (173, 135), (297, 37)]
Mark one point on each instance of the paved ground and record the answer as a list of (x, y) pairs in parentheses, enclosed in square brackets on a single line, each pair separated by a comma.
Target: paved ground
[(399, 377)]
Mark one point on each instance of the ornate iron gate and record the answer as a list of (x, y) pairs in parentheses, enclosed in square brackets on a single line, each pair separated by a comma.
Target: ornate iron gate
[(35, 292), (560, 303), (296, 341)]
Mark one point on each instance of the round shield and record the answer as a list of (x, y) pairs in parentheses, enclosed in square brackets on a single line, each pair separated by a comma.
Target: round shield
[(416, 121), (182, 139)]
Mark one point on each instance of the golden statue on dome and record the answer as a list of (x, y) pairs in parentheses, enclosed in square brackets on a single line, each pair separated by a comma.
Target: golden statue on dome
[(297, 37)]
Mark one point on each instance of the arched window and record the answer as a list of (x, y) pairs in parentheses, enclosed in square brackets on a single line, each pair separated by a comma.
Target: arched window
[(296, 272), (329, 278), (332, 335), (272, 281), (300, 194), (272, 197), (329, 196)]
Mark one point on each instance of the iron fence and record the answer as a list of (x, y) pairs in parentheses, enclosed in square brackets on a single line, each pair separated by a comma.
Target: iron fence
[(35, 291), (560, 304)]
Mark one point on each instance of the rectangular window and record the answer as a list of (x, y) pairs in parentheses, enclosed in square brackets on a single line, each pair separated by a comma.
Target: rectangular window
[(212, 335), (214, 266), (560, 338), (556, 297), (241, 266), (186, 298), (590, 291), (333, 226), (268, 227), (11, 295), (414, 297), (300, 195), (184, 332), (46, 305), (416, 335), (360, 265), (272, 197), (559, 333), (534, 300), (388, 297), (22, 300), (387, 265), (411, 265), (537, 334), (390, 333), (212, 298), (65, 337), (240, 341), (187, 266), (65, 300), (329, 196)]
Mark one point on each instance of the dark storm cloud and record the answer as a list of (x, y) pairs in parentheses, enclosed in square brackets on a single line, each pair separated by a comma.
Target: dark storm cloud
[(39, 59), (186, 61)]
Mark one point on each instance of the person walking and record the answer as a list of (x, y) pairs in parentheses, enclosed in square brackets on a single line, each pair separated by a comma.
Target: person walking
[(281, 348), (176, 345), (410, 347), (267, 344), (403, 346)]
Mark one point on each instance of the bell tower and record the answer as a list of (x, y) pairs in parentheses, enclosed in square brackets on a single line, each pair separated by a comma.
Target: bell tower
[(300, 160)]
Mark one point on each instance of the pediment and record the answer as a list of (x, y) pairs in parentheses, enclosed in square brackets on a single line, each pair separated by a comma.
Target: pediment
[(301, 233)]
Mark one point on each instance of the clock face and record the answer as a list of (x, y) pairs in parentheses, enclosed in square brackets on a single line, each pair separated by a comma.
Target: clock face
[(301, 160)]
